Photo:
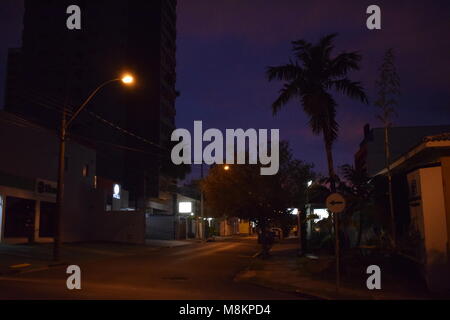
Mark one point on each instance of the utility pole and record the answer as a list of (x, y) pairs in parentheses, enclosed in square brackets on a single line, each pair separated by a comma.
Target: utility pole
[(336, 232), (299, 222), (389, 175), (127, 80), (336, 204), (299, 219), (60, 190), (202, 221)]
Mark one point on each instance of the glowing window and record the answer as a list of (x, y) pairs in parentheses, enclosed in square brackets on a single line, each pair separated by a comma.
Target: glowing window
[(185, 207)]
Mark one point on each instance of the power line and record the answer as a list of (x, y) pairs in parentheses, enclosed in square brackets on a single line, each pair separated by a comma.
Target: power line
[(17, 121), (54, 104)]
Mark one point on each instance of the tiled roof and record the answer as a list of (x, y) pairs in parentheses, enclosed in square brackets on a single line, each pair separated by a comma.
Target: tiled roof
[(438, 137)]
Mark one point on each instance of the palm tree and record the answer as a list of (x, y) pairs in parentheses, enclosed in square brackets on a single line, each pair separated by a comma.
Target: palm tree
[(311, 77)]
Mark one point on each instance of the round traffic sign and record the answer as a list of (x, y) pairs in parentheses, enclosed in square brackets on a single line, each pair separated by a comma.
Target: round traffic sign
[(335, 203)]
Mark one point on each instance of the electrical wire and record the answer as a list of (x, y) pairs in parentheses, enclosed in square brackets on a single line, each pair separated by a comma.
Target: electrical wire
[(54, 104)]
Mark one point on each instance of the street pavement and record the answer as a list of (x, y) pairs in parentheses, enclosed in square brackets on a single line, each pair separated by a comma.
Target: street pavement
[(198, 271)]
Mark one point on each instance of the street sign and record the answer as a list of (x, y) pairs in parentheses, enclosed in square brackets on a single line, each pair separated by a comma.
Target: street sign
[(335, 203)]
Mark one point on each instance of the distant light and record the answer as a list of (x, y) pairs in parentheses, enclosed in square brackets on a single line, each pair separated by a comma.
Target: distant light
[(185, 207), (226, 168), (293, 211), (192, 213), (321, 213), (310, 182), (116, 192), (128, 79)]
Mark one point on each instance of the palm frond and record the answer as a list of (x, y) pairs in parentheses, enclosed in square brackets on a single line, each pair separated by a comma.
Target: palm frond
[(288, 92), (352, 89), (344, 63), (326, 45), (287, 72), (302, 50), (321, 109)]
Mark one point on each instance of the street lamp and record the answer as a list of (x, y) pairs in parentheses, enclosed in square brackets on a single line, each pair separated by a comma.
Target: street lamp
[(299, 220), (126, 79)]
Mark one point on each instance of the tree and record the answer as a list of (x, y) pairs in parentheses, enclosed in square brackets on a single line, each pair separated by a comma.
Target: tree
[(359, 193), (310, 78), (241, 191), (388, 90)]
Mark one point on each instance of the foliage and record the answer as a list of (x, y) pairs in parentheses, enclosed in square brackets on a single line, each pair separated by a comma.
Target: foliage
[(388, 88), (310, 78), (358, 190), (243, 192)]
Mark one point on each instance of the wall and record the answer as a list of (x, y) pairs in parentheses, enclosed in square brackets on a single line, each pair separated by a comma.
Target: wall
[(30, 153), (445, 162), (229, 227), (1, 217), (435, 227), (160, 227), (244, 227), (119, 226)]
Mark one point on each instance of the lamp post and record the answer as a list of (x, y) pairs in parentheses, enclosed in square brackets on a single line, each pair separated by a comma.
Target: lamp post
[(202, 221), (127, 80), (299, 220)]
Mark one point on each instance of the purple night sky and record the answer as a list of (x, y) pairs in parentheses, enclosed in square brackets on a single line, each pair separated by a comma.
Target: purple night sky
[(224, 47)]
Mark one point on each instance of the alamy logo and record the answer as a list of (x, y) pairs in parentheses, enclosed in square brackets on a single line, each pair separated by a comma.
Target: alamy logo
[(258, 147), (374, 20), (374, 281), (74, 20), (74, 280)]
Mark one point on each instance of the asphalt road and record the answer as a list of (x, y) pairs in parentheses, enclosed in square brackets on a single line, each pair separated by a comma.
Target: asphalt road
[(203, 271)]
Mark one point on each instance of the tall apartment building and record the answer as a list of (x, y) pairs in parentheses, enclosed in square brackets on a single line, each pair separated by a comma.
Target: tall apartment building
[(58, 67)]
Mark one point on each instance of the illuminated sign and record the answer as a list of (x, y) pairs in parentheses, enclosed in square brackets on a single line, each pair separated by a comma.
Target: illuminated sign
[(185, 207), (116, 192), (321, 214)]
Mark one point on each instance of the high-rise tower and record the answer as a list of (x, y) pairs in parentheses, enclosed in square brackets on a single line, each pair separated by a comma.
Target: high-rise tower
[(57, 67)]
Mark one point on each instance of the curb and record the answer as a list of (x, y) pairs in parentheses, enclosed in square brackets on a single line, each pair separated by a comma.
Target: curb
[(282, 288), (30, 269)]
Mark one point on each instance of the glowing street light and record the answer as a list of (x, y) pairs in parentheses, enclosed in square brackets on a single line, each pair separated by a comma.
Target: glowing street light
[(127, 79)]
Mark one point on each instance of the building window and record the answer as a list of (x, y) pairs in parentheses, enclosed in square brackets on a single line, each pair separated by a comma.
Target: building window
[(85, 170)]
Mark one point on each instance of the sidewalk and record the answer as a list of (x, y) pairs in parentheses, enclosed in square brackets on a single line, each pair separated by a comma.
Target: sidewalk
[(20, 258), (314, 278)]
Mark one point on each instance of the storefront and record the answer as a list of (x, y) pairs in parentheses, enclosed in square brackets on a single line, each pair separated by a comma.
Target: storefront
[(27, 209), (28, 175)]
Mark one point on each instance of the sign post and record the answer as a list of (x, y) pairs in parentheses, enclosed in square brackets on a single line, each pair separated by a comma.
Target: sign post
[(336, 204)]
